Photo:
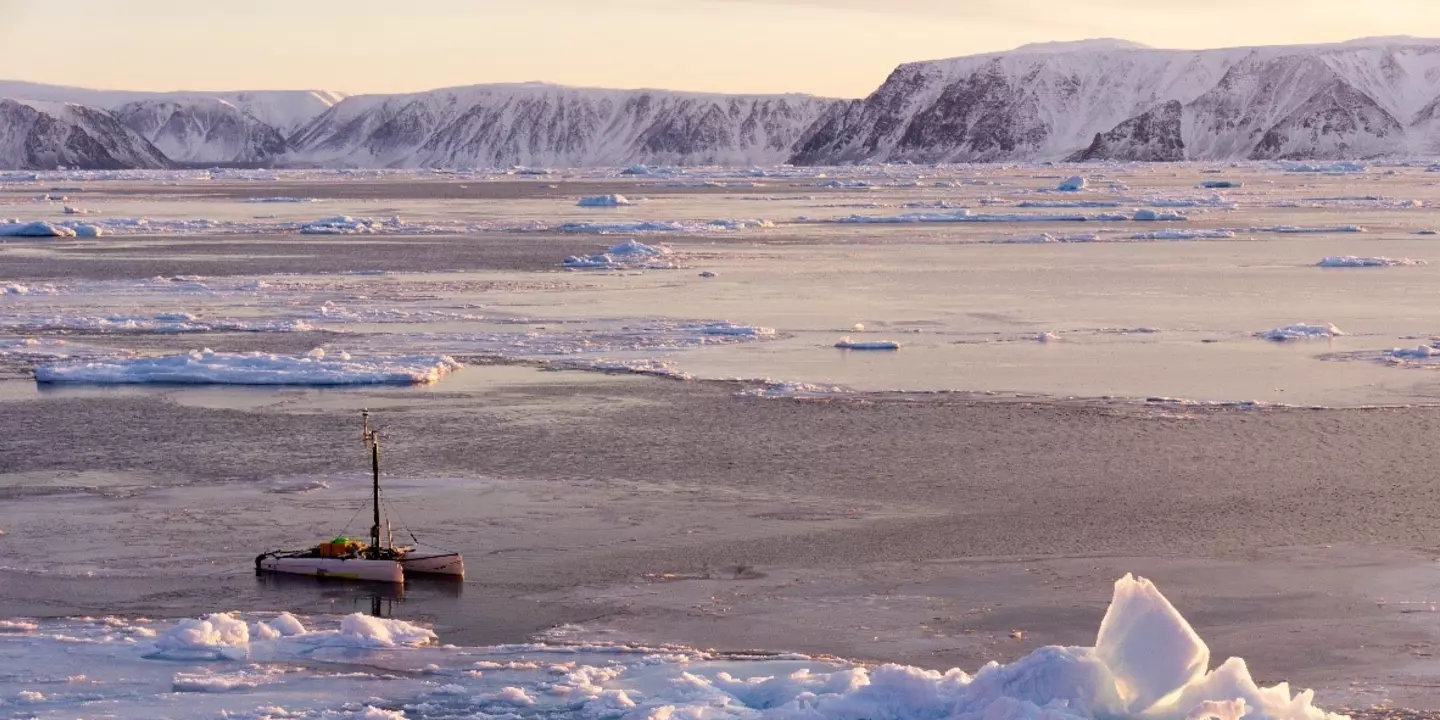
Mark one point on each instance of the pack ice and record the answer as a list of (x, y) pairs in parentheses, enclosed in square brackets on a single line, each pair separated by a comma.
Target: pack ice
[(1147, 663), (207, 367)]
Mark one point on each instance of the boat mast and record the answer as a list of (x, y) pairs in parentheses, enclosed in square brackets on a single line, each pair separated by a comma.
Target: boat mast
[(373, 441)]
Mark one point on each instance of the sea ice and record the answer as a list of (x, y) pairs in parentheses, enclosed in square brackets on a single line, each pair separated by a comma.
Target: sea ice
[(85, 230), (605, 201), (1300, 331), (1220, 184), (209, 367), (1073, 184), (1149, 215), (848, 344), (173, 322), (1047, 238), (34, 229), (1421, 352), (1147, 663), (1184, 235), (217, 636), (1069, 204), (1323, 168), (342, 225), (370, 631), (1296, 230), (1352, 261), (631, 254)]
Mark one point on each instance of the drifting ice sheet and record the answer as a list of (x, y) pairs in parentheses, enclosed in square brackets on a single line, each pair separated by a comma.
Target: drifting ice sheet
[(849, 344), (605, 201), (1300, 331), (1147, 663), (1352, 261), (34, 230), (206, 367)]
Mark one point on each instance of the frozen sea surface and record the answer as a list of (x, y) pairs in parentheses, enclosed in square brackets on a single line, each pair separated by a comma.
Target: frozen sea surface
[(1147, 662), (1172, 311)]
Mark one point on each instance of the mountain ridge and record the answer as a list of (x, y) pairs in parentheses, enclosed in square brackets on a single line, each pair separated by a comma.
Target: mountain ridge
[(1102, 99)]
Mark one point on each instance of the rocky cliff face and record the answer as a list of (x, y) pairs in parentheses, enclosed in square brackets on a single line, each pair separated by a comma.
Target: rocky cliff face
[(203, 130), (1346, 101), (43, 136), (536, 124)]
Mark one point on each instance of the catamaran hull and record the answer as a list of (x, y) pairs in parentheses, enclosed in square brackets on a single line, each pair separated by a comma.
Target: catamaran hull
[(340, 568), (434, 564)]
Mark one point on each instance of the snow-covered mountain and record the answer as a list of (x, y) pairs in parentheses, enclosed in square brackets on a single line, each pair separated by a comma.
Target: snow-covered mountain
[(38, 135), (203, 130), (190, 127), (1088, 100), (1115, 100), (541, 124), (284, 110)]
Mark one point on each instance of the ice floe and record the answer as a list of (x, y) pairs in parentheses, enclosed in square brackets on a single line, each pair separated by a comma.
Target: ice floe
[(1151, 215), (15, 228), (1300, 331), (206, 367), (604, 201), (1147, 662), (676, 227), (629, 255), (967, 216), (1185, 235), (172, 322), (1420, 352), (1047, 238), (1073, 184), (345, 225), (1353, 261), (847, 343), (1335, 168), (1298, 230)]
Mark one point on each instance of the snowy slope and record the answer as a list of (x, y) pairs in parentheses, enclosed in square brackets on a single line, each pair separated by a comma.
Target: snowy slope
[(203, 130), (1104, 99), (37, 135), (541, 124)]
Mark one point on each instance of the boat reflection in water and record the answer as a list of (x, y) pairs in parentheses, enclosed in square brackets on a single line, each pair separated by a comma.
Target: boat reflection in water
[(314, 595)]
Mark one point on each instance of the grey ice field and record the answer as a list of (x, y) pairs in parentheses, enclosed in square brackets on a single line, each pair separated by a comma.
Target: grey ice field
[(621, 397)]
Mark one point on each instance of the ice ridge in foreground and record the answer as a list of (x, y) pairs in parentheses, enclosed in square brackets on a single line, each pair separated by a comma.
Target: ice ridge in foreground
[(1147, 663), (207, 367)]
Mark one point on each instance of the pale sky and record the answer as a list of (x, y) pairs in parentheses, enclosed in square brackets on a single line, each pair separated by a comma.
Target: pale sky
[(842, 48)]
